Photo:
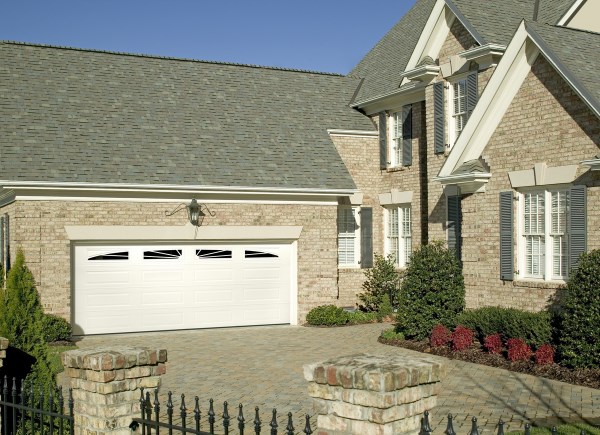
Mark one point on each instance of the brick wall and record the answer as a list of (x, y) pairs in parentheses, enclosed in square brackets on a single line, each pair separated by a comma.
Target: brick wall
[(38, 227)]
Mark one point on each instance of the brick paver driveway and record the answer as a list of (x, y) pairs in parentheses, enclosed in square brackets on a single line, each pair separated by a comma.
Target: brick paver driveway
[(262, 366)]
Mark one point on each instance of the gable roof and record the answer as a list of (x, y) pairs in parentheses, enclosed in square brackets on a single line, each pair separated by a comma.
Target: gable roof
[(557, 45), (83, 116), (381, 68)]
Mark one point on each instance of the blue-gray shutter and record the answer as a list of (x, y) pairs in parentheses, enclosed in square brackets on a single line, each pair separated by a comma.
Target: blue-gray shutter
[(577, 225), (407, 135), (454, 225), (472, 93), (382, 140), (439, 118), (366, 237), (6, 227), (506, 236)]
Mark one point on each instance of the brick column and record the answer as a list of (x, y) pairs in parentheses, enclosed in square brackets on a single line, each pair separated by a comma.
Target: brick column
[(3, 347), (364, 394), (106, 385)]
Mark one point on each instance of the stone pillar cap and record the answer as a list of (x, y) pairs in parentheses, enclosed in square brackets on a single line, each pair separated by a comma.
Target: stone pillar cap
[(112, 357)]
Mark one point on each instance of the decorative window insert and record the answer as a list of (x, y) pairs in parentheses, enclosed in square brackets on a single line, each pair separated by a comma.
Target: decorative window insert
[(163, 254), (545, 237), (203, 254), (348, 240), (398, 235), (259, 254), (121, 255)]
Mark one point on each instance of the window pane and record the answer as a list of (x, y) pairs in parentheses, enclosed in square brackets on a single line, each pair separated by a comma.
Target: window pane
[(392, 233), (558, 225)]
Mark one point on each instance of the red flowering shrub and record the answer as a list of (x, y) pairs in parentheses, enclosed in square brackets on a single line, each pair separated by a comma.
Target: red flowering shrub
[(462, 338), (493, 343), (544, 355), (518, 350), (440, 336)]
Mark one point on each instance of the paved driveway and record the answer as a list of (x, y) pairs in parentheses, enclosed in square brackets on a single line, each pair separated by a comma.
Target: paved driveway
[(262, 366)]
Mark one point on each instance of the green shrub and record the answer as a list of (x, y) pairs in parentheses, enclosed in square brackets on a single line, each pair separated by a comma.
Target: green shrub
[(385, 308), (392, 334), (578, 344), (21, 323), (432, 291), (55, 328), (382, 279), (327, 315), (534, 328), (360, 317)]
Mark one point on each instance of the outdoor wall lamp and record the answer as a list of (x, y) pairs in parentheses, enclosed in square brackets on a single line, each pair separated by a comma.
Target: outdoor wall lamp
[(194, 210)]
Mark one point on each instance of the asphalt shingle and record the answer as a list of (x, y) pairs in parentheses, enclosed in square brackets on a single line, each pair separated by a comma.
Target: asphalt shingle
[(72, 115)]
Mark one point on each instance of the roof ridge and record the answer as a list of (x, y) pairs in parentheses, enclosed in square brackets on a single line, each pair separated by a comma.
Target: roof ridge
[(181, 59)]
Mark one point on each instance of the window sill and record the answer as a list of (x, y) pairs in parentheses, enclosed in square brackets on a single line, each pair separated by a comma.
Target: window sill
[(535, 283), (349, 266), (396, 168)]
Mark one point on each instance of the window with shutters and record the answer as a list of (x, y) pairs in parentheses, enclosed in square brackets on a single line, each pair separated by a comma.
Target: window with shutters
[(348, 236), (544, 238), (400, 135), (398, 233), (461, 100)]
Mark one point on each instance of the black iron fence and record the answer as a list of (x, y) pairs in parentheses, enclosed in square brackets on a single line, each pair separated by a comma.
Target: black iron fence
[(193, 421), (24, 412), (426, 428)]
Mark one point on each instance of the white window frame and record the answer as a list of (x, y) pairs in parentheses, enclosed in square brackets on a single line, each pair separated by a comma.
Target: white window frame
[(400, 249), (546, 234), (348, 235), (451, 124)]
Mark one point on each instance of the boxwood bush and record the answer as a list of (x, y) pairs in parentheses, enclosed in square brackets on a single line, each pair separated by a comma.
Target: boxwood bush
[(55, 328), (327, 315), (578, 344), (534, 328), (432, 291)]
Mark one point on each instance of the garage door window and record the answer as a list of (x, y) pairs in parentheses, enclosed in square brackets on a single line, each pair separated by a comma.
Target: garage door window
[(124, 255), (213, 253), (259, 254), (164, 254)]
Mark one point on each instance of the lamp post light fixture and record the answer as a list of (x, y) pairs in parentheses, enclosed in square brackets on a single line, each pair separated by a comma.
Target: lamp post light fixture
[(194, 210)]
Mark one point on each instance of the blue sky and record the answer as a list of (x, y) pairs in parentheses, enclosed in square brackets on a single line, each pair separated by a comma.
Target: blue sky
[(322, 35)]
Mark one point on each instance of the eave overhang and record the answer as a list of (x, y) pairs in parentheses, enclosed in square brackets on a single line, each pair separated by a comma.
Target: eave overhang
[(486, 55), (423, 73), (593, 164), (28, 190), (406, 94), (467, 183)]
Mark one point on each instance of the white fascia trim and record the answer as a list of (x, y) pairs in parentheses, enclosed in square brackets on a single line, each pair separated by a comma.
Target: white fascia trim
[(409, 93), (493, 103), (591, 102), (569, 14), (354, 133), (467, 183), (432, 37), (594, 164), (160, 188), (114, 233), (484, 50), (422, 73)]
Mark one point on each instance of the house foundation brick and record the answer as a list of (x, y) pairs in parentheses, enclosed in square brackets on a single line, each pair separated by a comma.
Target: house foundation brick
[(361, 393), (107, 384)]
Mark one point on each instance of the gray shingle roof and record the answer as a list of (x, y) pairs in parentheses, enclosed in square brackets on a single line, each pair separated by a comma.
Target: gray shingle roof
[(495, 21), (383, 65), (71, 115), (577, 50)]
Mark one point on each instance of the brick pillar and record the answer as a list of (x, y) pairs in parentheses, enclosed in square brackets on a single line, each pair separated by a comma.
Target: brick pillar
[(365, 394), (3, 347), (106, 385)]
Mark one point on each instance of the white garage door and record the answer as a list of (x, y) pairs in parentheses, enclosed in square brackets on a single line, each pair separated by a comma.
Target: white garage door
[(128, 288)]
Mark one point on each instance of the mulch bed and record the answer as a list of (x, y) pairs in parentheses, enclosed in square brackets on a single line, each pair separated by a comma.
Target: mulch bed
[(585, 377)]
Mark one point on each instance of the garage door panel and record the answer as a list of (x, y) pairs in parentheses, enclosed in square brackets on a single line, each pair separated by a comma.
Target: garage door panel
[(171, 286)]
